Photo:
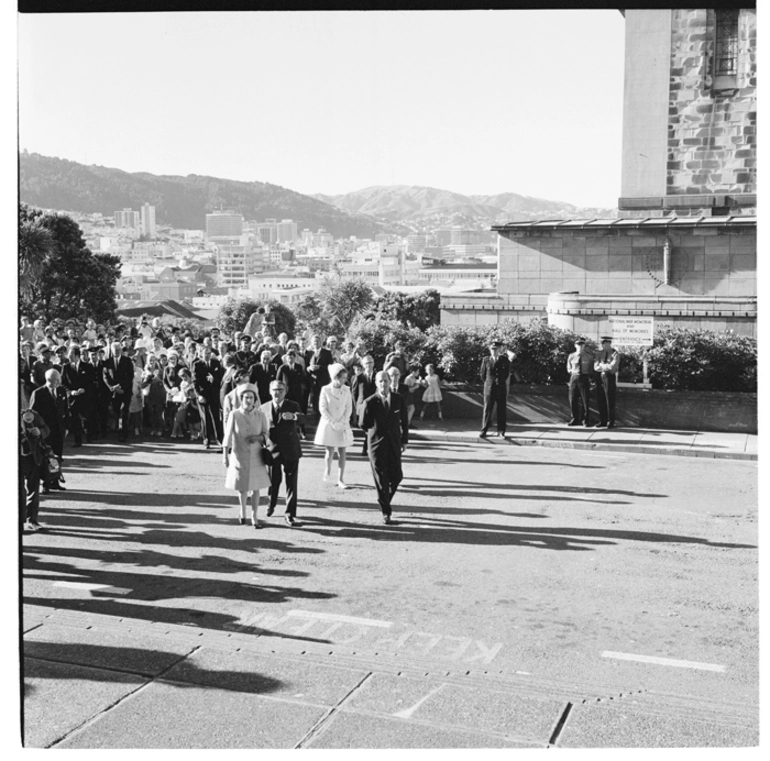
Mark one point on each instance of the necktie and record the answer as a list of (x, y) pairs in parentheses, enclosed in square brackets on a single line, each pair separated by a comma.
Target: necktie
[(53, 393), (276, 413), (386, 401)]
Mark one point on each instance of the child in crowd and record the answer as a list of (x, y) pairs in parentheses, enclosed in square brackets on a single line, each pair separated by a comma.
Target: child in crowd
[(432, 393), (412, 383)]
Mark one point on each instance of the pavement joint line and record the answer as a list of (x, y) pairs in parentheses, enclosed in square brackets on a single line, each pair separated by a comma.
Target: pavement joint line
[(559, 726), (318, 727)]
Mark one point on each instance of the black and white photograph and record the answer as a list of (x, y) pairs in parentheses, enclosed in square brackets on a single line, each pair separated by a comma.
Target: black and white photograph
[(387, 378)]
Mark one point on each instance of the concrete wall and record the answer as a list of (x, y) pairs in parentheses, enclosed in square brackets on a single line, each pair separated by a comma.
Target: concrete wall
[(636, 408), (706, 262), (645, 102)]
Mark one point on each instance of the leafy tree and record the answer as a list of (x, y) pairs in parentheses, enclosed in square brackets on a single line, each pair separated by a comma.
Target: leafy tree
[(342, 300), (70, 281), (412, 310), (309, 314), (35, 246), (378, 337), (235, 313)]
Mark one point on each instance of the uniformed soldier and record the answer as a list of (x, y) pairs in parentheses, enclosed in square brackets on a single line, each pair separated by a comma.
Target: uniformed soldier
[(495, 370), (580, 366), (607, 363)]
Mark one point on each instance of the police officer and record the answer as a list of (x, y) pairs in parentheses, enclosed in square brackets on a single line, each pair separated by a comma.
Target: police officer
[(580, 366), (495, 371), (607, 363)]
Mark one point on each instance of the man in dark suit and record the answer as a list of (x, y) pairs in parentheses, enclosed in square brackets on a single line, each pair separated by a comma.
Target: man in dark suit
[(77, 377), (385, 420), (317, 361), (118, 375), (494, 373), (362, 387), (207, 379), (283, 418), (50, 402), (262, 374)]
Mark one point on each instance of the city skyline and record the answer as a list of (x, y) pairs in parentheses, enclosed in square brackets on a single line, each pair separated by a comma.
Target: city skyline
[(476, 102)]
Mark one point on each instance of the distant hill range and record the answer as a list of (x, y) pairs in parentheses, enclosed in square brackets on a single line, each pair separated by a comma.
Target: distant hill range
[(423, 208), (183, 202)]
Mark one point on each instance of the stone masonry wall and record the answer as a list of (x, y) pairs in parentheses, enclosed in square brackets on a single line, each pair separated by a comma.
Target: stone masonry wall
[(711, 134)]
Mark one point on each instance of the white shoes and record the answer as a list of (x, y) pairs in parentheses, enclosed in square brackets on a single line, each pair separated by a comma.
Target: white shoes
[(342, 485), (326, 477)]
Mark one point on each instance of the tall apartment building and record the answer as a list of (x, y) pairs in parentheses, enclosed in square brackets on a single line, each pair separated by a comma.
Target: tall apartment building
[(237, 258), (461, 237), (287, 231), (127, 218), (267, 232), (224, 226), (148, 220)]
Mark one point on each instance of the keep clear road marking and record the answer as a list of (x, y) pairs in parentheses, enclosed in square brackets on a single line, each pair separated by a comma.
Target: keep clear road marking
[(344, 619), (664, 661), (92, 587)]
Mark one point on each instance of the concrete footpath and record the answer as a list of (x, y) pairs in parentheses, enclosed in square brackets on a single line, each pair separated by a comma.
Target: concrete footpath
[(733, 446)]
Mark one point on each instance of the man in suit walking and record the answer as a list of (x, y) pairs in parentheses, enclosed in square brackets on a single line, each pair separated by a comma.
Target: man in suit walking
[(385, 421), (283, 418), (118, 375), (77, 378), (50, 402), (494, 373), (362, 387), (262, 374)]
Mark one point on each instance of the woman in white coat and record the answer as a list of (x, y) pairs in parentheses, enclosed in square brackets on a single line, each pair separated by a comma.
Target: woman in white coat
[(245, 434), (335, 403)]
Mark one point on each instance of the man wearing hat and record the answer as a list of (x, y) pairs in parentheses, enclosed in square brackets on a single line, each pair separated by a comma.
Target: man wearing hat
[(245, 357), (580, 366), (42, 364), (494, 373), (607, 364)]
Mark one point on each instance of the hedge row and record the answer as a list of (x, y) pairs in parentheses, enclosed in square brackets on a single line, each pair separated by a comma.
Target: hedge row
[(680, 359)]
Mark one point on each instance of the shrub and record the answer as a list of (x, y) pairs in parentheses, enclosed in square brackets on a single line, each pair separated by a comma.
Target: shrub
[(681, 359), (377, 337)]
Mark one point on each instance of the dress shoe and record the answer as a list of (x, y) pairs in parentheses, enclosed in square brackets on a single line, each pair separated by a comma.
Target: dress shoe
[(386, 519), (610, 425), (270, 510), (58, 487), (483, 435), (573, 423), (289, 521), (601, 425), (586, 425), (241, 521), (45, 490)]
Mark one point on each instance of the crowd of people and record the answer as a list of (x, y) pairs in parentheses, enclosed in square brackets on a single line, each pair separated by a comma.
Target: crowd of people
[(95, 382), (249, 394)]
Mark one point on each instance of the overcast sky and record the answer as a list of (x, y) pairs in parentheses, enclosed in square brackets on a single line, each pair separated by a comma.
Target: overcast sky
[(469, 101)]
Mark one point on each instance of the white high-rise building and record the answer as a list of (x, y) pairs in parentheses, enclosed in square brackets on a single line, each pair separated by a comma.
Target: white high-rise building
[(224, 226), (148, 220), (287, 231), (127, 218)]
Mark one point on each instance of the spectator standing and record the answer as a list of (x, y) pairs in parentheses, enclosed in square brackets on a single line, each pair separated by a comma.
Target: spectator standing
[(42, 364), (33, 431), (136, 406), (154, 398), (412, 384), (207, 375), (78, 380), (262, 374), (118, 375), (364, 386), (26, 362), (580, 366), (495, 370), (50, 402), (317, 361), (397, 358), (334, 431), (607, 364)]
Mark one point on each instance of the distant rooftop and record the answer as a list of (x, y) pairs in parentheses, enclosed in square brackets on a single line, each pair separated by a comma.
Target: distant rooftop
[(621, 223)]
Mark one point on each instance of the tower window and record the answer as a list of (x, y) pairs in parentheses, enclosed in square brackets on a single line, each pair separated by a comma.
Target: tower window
[(726, 49)]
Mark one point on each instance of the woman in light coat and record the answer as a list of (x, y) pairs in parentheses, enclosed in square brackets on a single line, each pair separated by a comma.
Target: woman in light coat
[(245, 435), (335, 403)]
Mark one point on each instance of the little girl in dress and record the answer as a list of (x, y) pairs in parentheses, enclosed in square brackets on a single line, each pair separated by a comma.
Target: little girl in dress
[(432, 393)]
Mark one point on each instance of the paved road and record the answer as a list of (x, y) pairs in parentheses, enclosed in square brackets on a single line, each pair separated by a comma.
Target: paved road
[(524, 597)]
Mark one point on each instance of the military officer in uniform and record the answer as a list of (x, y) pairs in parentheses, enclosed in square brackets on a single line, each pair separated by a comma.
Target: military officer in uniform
[(580, 366), (495, 371), (607, 363)]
